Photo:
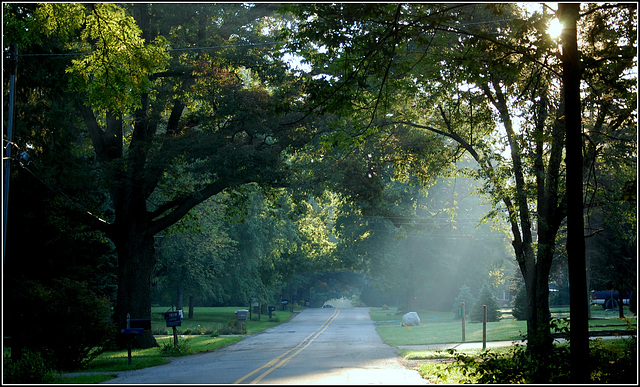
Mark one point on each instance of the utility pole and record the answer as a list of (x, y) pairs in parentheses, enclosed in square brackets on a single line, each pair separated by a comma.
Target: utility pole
[(13, 68)]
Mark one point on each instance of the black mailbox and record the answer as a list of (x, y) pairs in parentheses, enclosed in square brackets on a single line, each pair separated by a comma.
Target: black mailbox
[(271, 310), (142, 323), (173, 319), (132, 331)]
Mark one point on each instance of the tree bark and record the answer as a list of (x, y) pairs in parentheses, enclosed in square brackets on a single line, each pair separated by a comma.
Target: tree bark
[(579, 336), (136, 261), (179, 298)]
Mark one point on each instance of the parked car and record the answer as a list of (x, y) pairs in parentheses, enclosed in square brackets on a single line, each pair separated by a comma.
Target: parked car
[(608, 298)]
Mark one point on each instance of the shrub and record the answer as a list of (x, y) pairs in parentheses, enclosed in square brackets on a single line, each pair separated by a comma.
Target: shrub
[(199, 330), (68, 323), (614, 361), (182, 349), (231, 328), (610, 361), (30, 368), (514, 366)]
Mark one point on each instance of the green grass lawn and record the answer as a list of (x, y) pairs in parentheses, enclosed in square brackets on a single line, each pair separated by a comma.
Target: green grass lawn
[(443, 328), (206, 320)]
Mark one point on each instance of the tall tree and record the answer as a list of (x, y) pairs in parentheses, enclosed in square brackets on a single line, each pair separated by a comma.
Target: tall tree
[(568, 14), (485, 77), (177, 109)]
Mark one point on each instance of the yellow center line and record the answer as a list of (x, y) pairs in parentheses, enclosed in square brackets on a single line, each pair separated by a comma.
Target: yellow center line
[(308, 340)]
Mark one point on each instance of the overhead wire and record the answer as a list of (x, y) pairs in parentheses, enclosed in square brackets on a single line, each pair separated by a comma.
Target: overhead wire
[(25, 160), (170, 49)]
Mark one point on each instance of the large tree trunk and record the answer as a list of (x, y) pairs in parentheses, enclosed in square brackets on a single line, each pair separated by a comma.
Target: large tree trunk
[(536, 276), (179, 298), (579, 333), (136, 261)]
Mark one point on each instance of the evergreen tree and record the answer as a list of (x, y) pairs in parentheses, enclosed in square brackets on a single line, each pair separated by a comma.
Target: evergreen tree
[(485, 297), (519, 310), (466, 297)]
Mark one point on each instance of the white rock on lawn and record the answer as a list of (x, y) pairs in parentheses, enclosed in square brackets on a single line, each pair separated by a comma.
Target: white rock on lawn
[(411, 319)]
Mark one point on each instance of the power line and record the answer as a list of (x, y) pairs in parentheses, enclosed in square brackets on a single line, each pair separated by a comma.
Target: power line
[(25, 161), (170, 49)]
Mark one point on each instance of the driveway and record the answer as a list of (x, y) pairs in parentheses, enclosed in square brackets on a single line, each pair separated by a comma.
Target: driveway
[(318, 346)]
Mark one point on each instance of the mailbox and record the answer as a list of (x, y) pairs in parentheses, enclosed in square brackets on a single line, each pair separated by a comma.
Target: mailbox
[(271, 310), (142, 323), (132, 331), (242, 314), (173, 319)]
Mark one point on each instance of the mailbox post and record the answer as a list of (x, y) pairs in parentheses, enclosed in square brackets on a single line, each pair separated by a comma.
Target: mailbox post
[(134, 328), (173, 320), (241, 316), (271, 310)]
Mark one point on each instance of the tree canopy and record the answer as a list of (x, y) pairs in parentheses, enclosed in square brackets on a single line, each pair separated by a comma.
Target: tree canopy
[(191, 130)]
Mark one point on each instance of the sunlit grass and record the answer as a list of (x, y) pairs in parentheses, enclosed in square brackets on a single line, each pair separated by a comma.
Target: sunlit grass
[(451, 332), (444, 328)]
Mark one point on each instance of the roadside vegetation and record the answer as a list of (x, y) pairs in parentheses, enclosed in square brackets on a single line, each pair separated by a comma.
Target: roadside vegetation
[(610, 361), (210, 329)]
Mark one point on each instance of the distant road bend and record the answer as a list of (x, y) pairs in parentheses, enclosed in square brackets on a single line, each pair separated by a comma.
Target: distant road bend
[(318, 346)]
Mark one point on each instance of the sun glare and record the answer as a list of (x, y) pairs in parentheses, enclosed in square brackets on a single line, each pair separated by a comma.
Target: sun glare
[(555, 29)]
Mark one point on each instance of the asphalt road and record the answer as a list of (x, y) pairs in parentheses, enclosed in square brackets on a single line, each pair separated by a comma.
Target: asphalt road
[(318, 346)]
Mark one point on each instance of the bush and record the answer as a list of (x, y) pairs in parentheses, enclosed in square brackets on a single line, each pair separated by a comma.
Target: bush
[(66, 322), (199, 330), (231, 328), (30, 368), (485, 298), (614, 361), (517, 365), (611, 362), (182, 349)]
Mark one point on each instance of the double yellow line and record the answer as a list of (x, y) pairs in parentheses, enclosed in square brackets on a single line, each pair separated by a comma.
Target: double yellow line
[(283, 359)]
